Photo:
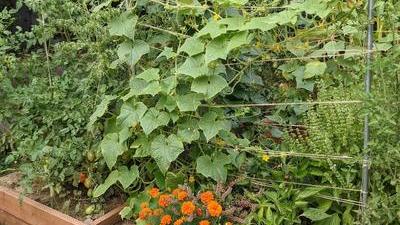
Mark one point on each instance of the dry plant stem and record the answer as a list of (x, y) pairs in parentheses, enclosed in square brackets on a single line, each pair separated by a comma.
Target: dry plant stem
[(236, 219), (47, 57), (226, 193)]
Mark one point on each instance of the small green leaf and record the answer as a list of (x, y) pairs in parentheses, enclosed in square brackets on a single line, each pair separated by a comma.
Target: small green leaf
[(189, 102), (100, 110), (192, 46), (111, 148), (166, 150), (167, 53), (324, 204), (216, 49), (126, 177), (131, 113), (231, 139), (251, 78), (347, 217), (315, 214), (190, 7), (152, 88), (237, 158), (333, 220), (126, 212), (284, 17), (318, 7), (102, 188), (142, 146), (334, 47), (261, 23), (166, 102), (153, 119), (300, 82), (308, 192), (172, 180), (136, 87), (131, 52), (174, 116), (209, 85), (210, 125), (314, 68), (213, 29), (194, 67), (213, 167), (233, 23), (149, 75), (239, 39), (168, 84), (124, 25), (142, 87), (188, 131), (297, 47)]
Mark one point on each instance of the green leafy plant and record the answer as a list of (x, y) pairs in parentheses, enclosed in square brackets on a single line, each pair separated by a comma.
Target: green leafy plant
[(119, 94)]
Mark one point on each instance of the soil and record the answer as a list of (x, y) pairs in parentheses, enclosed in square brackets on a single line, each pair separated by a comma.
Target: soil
[(72, 204)]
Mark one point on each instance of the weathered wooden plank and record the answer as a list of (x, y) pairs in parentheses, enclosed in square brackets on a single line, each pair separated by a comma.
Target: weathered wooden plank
[(32, 212), (8, 219), (109, 218)]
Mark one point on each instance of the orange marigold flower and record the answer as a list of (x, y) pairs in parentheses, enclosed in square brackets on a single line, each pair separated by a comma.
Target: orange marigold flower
[(204, 222), (164, 200), (228, 223), (154, 192), (206, 197), (144, 213), (214, 208), (165, 220), (182, 195), (144, 205), (158, 212), (188, 208), (199, 212), (179, 221), (176, 191)]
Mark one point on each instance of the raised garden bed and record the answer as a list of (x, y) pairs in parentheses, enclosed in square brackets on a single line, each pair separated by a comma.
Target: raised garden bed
[(16, 209)]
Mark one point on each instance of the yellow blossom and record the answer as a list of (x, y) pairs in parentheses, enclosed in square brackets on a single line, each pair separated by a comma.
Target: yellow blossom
[(216, 17), (192, 179), (265, 157)]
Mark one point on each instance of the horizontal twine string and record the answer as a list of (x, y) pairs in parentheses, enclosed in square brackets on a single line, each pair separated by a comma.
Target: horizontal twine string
[(260, 181), (277, 154), (282, 104), (342, 200), (310, 155), (305, 57)]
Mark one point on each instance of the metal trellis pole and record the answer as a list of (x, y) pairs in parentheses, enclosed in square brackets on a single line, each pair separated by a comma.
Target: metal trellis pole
[(365, 167)]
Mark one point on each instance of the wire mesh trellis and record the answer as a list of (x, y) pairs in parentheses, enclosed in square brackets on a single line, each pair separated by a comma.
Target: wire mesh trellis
[(364, 160)]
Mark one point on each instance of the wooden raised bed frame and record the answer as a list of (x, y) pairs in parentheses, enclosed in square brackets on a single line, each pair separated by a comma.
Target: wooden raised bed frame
[(15, 210)]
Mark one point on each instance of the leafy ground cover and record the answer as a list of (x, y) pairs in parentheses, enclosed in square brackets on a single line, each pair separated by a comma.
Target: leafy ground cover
[(131, 95)]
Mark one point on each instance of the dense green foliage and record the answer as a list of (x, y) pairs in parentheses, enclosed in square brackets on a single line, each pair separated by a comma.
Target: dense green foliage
[(148, 91)]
